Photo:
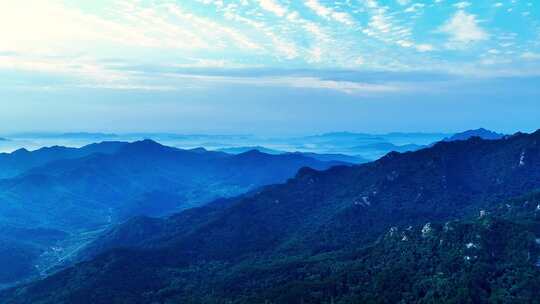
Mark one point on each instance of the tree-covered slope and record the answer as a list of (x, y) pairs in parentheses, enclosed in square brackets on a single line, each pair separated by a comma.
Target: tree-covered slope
[(318, 237), (326, 210), (77, 192), (151, 178)]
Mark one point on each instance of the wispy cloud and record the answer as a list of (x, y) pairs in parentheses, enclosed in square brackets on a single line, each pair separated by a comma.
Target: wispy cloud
[(329, 13), (69, 38), (274, 7), (531, 56), (300, 82)]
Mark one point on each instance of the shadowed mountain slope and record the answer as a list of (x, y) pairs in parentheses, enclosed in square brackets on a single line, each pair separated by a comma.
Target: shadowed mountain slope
[(301, 239), (76, 192)]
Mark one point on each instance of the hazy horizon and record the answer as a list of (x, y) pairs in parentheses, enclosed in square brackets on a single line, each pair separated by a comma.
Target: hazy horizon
[(367, 145), (211, 132)]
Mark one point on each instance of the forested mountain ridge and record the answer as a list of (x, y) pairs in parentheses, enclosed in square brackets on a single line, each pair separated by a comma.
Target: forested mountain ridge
[(301, 239), (62, 197), (100, 181)]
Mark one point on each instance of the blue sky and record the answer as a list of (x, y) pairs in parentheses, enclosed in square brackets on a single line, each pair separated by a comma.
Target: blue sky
[(269, 66)]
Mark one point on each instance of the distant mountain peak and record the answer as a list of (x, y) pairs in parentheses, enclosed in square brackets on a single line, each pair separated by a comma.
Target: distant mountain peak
[(147, 141), (480, 132), (145, 144), (198, 150), (147, 147), (20, 151), (107, 143), (252, 153), (243, 149)]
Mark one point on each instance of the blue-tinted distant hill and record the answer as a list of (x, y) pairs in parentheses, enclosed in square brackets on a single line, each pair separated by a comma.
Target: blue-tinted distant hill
[(360, 145), (481, 132), (238, 150), (17, 162), (66, 191), (319, 156), (356, 159), (377, 150), (389, 231), (398, 138), (366, 146), (96, 182), (69, 135)]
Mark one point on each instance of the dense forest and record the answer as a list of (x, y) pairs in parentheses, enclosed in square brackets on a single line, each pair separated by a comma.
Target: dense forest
[(457, 223)]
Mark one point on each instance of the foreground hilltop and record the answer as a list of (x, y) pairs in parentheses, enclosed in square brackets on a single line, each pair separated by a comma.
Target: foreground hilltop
[(322, 234)]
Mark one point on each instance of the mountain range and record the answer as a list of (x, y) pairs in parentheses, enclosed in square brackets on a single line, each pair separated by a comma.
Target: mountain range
[(62, 198), (457, 222), (360, 147), (356, 144), (319, 156)]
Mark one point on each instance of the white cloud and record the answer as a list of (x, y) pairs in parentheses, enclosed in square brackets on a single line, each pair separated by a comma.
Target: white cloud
[(425, 47), (52, 28), (359, 61), (414, 8), (380, 23), (302, 82), (285, 48), (211, 63), (315, 55), (403, 2), (273, 6), (405, 43), (55, 28), (84, 69), (462, 4), (418, 47), (530, 56), (383, 26), (463, 28), (342, 86), (281, 47), (329, 13), (212, 29)]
